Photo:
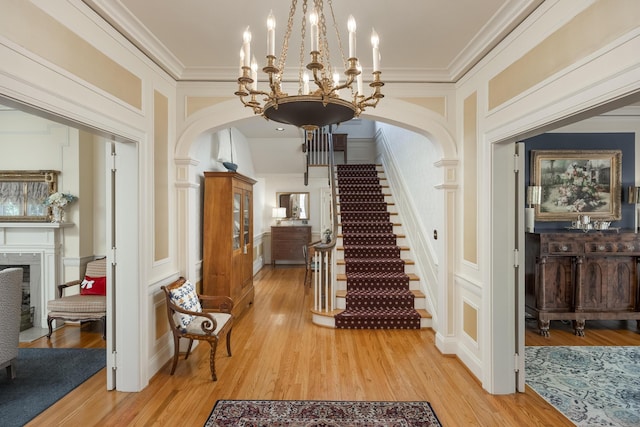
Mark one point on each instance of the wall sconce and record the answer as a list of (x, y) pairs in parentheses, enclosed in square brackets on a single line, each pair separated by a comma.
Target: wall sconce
[(633, 198), (534, 198), (278, 214)]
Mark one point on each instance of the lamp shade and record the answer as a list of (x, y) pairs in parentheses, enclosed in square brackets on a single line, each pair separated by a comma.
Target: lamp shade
[(534, 195), (279, 213), (633, 195)]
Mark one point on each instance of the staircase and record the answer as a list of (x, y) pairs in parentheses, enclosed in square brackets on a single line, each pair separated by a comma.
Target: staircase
[(376, 290)]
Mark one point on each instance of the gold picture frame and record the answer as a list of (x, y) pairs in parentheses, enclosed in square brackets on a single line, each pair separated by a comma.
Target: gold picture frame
[(23, 193), (577, 182)]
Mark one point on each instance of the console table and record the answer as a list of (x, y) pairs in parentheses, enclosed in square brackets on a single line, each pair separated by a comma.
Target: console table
[(287, 242), (582, 276)]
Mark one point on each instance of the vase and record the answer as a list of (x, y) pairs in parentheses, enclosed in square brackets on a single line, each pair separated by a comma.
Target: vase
[(57, 214)]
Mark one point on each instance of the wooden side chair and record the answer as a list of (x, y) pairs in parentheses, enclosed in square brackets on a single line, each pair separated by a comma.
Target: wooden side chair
[(197, 317), (88, 305), (308, 252)]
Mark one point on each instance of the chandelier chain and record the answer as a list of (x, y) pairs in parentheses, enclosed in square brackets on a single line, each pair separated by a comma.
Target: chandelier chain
[(304, 36), (285, 43)]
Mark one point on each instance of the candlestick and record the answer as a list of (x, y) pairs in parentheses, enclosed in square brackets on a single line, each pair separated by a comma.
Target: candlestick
[(271, 34), (305, 83), (375, 41), (351, 25), (254, 73), (313, 19), (246, 46)]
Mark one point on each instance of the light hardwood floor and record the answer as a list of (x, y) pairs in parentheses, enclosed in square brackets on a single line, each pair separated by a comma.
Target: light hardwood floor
[(279, 354)]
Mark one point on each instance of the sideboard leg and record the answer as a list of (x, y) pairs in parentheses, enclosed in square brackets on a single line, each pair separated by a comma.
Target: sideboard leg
[(578, 326)]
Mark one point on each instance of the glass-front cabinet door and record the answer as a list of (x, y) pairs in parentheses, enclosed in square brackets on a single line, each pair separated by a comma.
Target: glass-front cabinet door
[(237, 202), (246, 218)]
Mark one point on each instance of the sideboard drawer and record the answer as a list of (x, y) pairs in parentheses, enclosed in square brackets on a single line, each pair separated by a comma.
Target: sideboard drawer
[(563, 248)]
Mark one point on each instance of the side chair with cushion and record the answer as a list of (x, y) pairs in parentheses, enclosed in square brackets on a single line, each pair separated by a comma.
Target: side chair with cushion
[(10, 309), (197, 317), (89, 305)]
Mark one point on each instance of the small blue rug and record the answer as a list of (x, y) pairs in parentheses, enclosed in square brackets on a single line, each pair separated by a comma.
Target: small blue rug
[(592, 386), (44, 376)]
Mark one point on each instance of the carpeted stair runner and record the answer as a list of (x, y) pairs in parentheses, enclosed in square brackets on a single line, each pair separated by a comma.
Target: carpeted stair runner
[(378, 295)]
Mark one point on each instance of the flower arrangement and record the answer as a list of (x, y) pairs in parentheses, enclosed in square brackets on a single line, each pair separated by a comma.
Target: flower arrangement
[(578, 192), (59, 199)]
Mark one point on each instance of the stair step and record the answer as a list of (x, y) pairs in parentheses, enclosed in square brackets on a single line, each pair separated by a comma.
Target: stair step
[(342, 293), (412, 277), (402, 248), (406, 262)]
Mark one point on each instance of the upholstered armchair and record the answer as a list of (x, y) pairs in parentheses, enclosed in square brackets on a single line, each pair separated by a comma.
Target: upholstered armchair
[(10, 310), (88, 305), (197, 317)]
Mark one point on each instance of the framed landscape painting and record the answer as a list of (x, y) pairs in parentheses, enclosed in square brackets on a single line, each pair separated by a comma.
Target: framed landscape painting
[(577, 182)]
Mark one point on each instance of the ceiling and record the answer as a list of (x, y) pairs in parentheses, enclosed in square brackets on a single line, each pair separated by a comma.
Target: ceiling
[(420, 40)]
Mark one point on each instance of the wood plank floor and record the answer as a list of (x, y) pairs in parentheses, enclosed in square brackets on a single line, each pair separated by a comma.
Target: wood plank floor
[(279, 354)]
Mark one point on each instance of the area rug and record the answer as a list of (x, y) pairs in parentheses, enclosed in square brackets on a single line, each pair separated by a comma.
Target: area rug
[(592, 386), (318, 413), (43, 376)]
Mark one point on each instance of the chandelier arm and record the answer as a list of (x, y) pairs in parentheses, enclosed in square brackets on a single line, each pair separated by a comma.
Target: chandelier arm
[(347, 84)]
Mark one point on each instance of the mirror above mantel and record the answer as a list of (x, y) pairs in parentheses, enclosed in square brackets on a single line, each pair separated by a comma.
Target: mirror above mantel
[(295, 203), (23, 193)]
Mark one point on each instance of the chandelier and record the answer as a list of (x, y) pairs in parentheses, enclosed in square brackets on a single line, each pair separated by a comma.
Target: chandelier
[(328, 101)]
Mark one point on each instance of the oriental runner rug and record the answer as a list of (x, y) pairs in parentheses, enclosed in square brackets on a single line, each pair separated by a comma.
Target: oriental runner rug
[(378, 294), (310, 413)]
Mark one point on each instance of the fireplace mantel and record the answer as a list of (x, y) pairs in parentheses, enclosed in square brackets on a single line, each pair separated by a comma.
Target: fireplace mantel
[(39, 245)]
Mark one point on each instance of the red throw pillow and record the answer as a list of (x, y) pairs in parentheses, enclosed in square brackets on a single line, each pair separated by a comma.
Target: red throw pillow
[(93, 286)]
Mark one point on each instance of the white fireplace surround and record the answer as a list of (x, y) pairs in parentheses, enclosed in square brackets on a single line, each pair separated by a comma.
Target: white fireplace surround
[(38, 245)]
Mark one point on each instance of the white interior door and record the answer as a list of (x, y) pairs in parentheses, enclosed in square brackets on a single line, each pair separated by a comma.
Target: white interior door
[(519, 264)]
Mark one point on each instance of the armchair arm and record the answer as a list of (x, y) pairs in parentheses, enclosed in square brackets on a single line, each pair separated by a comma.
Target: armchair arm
[(218, 303), (63, 286), (208, 326)]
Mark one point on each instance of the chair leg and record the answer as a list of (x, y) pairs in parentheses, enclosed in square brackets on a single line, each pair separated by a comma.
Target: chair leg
[(229, 342), (11, 370), (176, 352), (186, 356), (212, 359), (50, 323), (104, 327)]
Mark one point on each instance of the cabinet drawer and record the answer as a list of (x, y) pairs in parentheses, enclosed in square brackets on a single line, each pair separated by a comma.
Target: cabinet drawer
[(612, 247), (557, 248)]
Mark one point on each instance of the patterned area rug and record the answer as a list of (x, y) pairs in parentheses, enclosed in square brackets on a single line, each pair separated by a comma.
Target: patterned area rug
[(310, 413), (592, 386), (378, 293)]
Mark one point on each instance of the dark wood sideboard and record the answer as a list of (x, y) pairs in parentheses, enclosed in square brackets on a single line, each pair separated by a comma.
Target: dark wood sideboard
[(287, 242), (581, 276)]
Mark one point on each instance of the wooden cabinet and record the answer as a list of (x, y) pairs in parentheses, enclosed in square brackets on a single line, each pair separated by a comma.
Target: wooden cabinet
[(582, 276), (287, 242), (227, 241)]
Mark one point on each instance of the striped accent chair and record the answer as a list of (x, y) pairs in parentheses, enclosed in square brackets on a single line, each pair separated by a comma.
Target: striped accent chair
[(80, 307)]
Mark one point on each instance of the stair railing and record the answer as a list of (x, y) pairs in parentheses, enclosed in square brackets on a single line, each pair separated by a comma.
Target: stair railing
[(324, 279)]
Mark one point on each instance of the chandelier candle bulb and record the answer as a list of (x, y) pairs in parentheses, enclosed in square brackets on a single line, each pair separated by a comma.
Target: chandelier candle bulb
[(246, 47), (313, 19), (241, 61), (375, 42), (271, 34), (305, 83), (254, 73), (351, 25)]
